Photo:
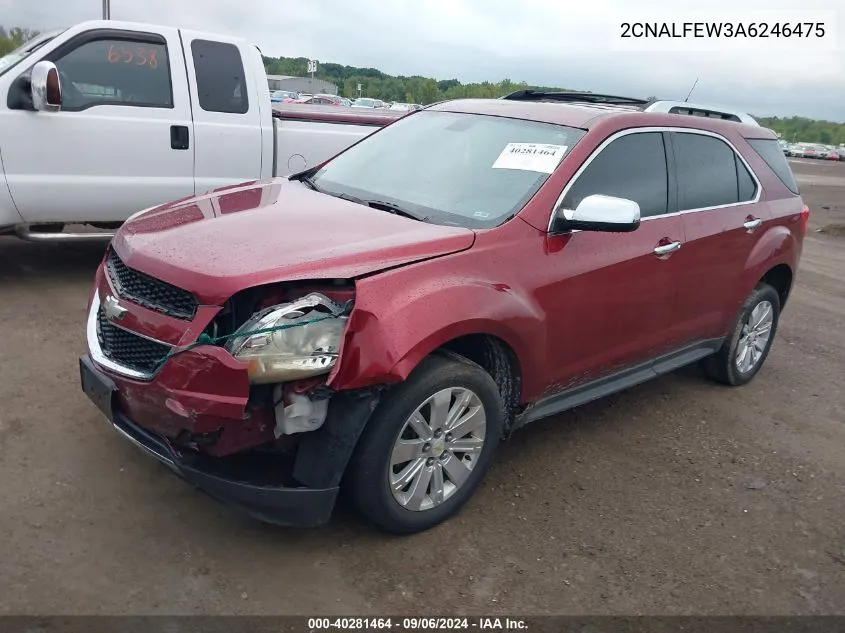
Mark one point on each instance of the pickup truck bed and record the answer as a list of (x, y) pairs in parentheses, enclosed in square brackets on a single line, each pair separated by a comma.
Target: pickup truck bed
[(306, 135)]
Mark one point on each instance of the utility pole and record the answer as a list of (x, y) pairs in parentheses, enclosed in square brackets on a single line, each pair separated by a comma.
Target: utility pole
[(107, 9)]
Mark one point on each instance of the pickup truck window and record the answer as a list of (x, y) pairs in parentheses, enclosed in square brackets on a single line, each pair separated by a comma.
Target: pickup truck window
[(468, 170), (221, 81), (112, 71)]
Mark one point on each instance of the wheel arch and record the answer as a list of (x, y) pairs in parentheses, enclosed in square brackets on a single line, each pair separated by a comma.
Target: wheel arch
[(780, 277), (773, 260), (390, 333), (495, 356)]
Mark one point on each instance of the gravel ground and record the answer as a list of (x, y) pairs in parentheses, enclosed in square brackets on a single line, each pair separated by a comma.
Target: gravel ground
[(675, 497)]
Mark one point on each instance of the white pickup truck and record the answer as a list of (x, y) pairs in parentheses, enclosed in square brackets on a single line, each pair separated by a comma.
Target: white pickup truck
[(106, 118)]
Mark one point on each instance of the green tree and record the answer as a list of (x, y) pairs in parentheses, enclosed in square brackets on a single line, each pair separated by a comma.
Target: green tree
[(800, 129), (14, 37)]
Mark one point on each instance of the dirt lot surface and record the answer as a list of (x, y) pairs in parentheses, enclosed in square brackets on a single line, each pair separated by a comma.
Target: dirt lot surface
[(676, 497)]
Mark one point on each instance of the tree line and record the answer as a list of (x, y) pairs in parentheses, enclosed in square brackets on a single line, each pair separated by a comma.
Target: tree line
[(13, 38), (425, 90), (375, 83), (796, 129)]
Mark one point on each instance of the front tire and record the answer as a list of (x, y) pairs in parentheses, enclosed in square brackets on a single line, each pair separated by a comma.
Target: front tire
[(427, 447), (746, 349)]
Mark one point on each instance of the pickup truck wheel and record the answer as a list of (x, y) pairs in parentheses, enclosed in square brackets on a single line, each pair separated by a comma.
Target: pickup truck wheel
[(427, 447), (744, 352)]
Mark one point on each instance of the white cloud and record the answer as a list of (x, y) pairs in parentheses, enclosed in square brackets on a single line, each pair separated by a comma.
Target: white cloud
[(549, 42)]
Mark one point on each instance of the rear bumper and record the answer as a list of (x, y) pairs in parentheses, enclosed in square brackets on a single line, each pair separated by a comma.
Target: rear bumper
[(240, 484)]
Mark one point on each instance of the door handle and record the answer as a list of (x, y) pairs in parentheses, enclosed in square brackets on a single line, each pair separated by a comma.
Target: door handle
[(665, 249), (179, 138), (752, 224)]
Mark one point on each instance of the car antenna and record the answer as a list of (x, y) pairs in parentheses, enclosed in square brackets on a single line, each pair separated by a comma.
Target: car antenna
[(691, 89)]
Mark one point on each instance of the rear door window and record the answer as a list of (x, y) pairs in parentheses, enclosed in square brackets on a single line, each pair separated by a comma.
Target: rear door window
[(632, 167), (221, 81), (706, 171)]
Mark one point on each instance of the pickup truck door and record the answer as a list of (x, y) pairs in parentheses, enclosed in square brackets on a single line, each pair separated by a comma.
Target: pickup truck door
[(122, 140), (228, 103)]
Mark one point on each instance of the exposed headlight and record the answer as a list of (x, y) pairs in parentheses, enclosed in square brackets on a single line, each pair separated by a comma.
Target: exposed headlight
[(290, 341)]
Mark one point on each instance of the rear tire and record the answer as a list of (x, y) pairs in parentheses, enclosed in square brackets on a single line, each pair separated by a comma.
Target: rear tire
[(747, 347), (427, 447)]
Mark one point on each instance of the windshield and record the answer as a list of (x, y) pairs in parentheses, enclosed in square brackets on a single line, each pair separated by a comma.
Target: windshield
[(450, 168), (25, 50)]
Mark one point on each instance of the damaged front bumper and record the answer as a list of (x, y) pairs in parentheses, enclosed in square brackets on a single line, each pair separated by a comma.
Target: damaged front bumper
[(300, 494)]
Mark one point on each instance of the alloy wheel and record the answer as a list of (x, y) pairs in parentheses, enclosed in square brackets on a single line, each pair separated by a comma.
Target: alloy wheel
[(437, 449), (754, 337)]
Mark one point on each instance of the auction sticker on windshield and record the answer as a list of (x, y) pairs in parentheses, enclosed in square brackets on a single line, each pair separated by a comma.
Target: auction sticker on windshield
[(530, 157)]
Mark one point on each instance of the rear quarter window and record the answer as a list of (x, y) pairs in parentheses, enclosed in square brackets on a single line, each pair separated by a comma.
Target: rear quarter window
[(770, 151), (221, 82)]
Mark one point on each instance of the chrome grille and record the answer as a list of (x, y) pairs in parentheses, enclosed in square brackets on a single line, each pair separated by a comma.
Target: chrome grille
[(128, 349), (149, 292)]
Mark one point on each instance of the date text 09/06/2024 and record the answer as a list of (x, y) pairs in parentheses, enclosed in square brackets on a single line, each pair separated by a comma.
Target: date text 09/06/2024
[(416, 624), (723, 29)]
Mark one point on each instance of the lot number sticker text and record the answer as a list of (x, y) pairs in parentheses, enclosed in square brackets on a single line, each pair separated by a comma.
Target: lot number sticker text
[(530, 157)]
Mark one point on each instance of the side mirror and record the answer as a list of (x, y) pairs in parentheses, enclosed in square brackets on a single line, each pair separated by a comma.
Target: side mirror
[(46, 87), (599, 213)]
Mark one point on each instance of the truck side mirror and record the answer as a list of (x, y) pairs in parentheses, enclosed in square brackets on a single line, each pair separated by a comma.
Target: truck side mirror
[(46, 87)]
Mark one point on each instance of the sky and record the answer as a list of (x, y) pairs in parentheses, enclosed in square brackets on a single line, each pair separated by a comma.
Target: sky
[(576, 45)]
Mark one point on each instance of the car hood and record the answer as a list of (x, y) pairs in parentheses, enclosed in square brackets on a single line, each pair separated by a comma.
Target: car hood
[(237, 237)]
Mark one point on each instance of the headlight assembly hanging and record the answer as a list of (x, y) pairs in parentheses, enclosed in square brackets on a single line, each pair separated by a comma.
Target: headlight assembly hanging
[(290, 341)]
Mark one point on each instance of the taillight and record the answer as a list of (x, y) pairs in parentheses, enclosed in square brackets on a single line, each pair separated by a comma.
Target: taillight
[(805, 218)]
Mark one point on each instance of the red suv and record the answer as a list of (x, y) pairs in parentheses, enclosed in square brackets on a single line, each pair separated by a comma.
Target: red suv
[(380, 322)]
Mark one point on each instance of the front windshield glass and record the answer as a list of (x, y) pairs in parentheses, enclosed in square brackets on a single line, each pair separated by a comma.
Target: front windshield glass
[(450, 168), (24, 51)]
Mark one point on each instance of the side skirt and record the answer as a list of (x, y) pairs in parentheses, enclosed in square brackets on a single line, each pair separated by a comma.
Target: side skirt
[(618, 381)]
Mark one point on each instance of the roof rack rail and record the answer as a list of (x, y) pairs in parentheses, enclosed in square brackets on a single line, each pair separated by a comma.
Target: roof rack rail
[(698, 109), (644, 105), (574, 97)]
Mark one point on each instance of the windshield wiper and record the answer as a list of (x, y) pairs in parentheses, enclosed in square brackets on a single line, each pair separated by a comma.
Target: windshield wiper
[(390, 207), (308, 180), (394, 209)]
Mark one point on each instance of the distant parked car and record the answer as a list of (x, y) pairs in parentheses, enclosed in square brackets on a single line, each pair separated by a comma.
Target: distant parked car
[(324, 100), (283, 96), (366, 102), (802, 150), (409, 107), (832, 155), (821, 151)]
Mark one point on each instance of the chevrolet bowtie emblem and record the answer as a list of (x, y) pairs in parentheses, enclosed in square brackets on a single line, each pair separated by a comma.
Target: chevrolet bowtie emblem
[(114, 311)]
